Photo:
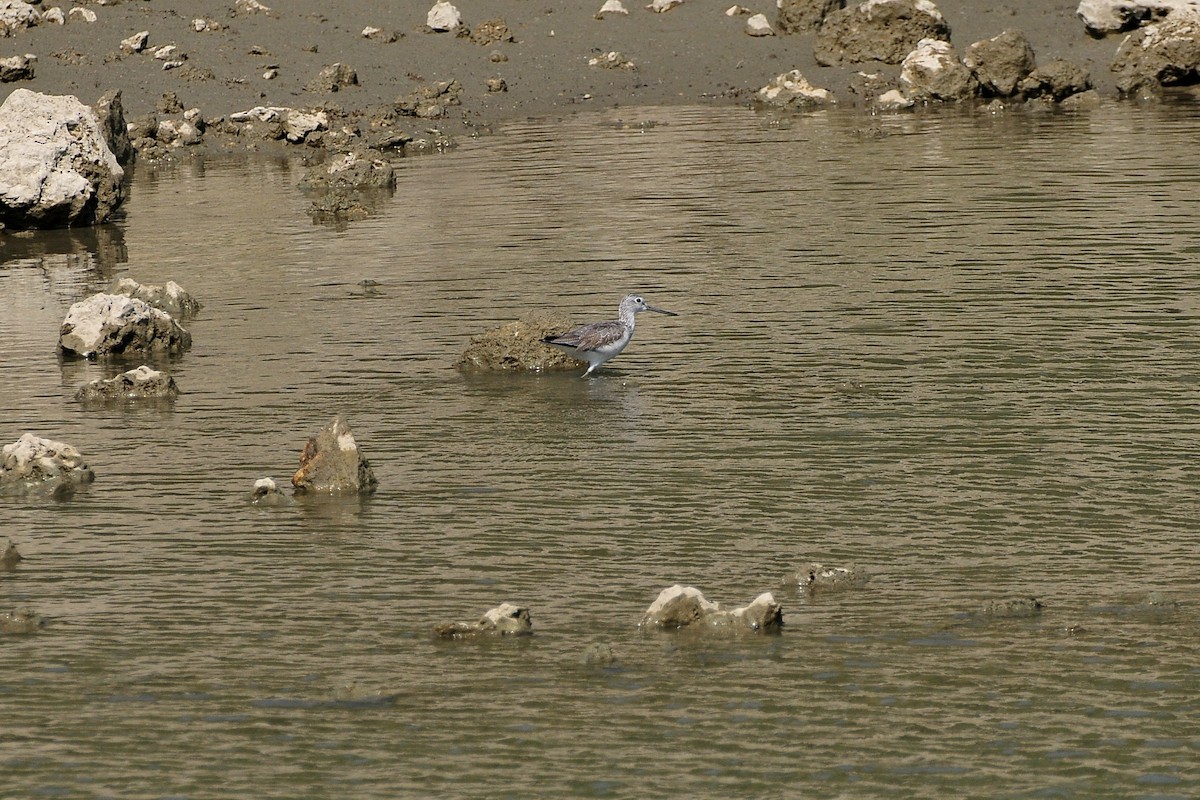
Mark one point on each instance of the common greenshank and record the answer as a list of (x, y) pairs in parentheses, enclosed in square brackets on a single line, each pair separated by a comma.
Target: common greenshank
[(598, 342)]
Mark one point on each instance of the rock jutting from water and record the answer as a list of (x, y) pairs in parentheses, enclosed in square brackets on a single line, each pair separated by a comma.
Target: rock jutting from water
[(505, 619), (681, 606), (815, 578), (56, 168), (113, 324), (140, 383), (333, 464), (266, 492), (10, 558), (517, 347), (42, 465)]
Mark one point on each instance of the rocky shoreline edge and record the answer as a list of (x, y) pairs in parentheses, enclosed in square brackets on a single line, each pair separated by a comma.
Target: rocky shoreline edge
[(880, 56)]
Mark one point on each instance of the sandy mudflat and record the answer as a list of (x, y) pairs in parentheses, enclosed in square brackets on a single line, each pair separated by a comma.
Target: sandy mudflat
[(693, 54)]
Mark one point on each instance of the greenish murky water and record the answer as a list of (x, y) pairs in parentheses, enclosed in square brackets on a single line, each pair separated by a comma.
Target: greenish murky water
[(960, 352)]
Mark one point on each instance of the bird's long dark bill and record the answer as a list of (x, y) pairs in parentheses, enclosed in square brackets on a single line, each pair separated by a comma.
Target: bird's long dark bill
[(661, 311)]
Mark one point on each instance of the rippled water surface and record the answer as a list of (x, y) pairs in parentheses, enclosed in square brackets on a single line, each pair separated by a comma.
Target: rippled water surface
[(961, 353)]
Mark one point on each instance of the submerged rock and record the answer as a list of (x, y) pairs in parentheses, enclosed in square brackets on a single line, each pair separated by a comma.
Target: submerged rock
[(1012, 608), (56, 169), (171, 297), (142, 383), (814, 578), (332, 463), (35, 464), (112, 324), (517, 346), (505, 619), (599, 654), (681, 606), (21, 621)]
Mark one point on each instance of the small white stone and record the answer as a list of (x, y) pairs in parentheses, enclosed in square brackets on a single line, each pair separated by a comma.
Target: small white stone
[(165, 52), (659, 6), (252, 7), (893, 100), (612, 7), (86, 14), (136, 43), (758, 25), (443, 17), (53, 16)]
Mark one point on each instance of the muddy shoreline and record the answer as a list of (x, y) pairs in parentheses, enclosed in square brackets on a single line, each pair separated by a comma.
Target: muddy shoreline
[(228, 59)]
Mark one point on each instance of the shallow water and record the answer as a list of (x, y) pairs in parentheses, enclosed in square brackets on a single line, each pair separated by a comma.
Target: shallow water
[(958, 352)]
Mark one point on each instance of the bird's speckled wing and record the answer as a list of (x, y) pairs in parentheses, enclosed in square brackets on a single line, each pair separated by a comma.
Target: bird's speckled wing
[(589, 337)]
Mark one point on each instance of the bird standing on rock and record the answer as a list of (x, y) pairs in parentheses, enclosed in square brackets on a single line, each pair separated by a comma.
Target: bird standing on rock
[(599, 342)]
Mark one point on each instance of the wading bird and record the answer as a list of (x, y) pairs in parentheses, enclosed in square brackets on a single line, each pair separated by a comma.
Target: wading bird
[(598, 342)]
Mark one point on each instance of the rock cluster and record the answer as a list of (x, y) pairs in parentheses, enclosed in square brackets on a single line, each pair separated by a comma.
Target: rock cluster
[(915, 35)]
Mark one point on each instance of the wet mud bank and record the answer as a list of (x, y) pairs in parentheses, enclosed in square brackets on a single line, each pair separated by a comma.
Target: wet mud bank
[(235, 73)]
